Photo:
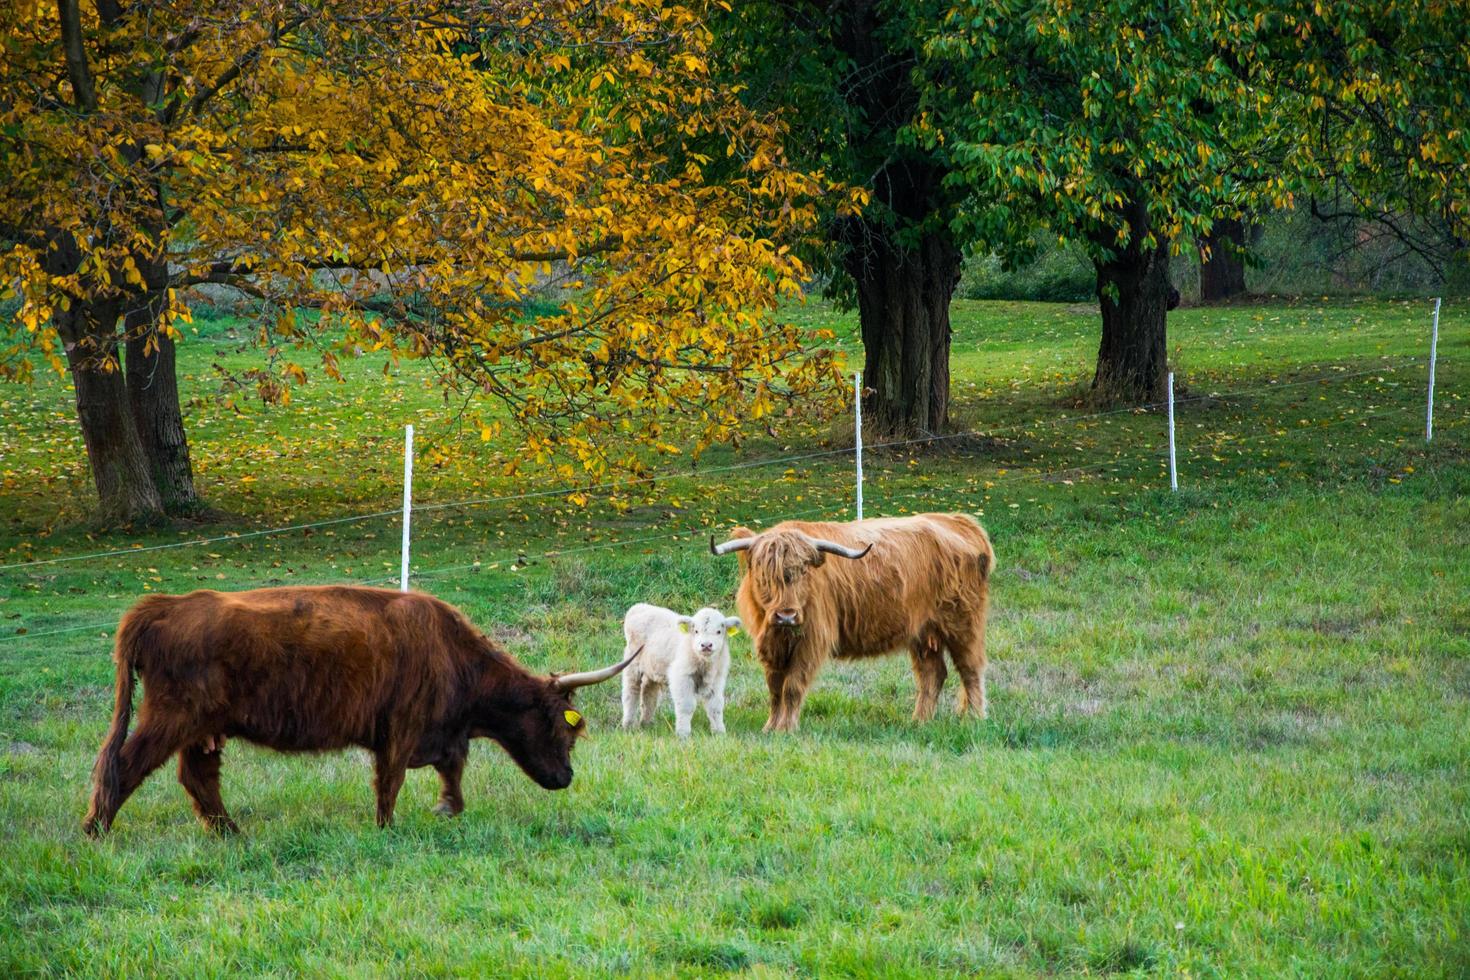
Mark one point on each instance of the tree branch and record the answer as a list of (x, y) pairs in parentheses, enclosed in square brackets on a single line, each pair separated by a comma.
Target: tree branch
[(246, 265), (83, 90), (233, 72)]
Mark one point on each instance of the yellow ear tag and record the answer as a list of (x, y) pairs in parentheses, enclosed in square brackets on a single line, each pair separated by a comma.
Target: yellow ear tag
[(733, 630), (572, 717), (683, 627)]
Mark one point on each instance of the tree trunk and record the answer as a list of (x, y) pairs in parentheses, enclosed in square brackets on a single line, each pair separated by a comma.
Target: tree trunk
[(153, 394), (88, 332), (903, 306), (903, 262), (1222, 275), (125, 491), (1133, 290)]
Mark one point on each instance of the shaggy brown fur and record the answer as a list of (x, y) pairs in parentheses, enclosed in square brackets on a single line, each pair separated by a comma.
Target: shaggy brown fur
[(924, 585), (312, 669)]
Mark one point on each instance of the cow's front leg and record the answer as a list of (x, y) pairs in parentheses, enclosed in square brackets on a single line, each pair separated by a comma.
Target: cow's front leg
[(795, 684), (776, 685), (451, 800), (791, 702)]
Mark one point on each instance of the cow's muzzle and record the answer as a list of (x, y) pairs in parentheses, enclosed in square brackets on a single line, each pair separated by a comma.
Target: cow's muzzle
[(560, 779), (788, 618)]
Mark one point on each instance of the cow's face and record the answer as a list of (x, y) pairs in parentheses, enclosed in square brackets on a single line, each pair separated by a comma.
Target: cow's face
[(532, 717), (708, 630), (779, 565), (538, 730)]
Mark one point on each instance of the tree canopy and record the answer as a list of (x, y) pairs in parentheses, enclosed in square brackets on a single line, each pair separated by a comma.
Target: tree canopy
[(1126, 127), (416, 175), (1384, 134)]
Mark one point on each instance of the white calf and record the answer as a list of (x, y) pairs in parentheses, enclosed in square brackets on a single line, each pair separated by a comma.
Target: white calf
[(686, 654)]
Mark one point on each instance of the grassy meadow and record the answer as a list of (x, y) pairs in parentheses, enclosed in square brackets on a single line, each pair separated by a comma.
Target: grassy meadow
[(1229, 732)]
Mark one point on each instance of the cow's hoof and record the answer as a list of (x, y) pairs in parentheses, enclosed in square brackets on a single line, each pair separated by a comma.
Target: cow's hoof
[(223, 826), (444, 809)]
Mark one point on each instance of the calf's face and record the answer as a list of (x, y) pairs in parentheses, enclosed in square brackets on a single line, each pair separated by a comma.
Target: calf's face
[(708, 631)]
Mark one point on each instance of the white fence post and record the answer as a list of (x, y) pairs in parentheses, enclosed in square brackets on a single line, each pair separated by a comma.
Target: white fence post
[(857, 406), (407, 501), (1433, 351), (1173, 471)]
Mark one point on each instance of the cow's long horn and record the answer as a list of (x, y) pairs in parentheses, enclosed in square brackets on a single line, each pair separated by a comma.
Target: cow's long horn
[(734, 544), (833, 548), (570, 682)]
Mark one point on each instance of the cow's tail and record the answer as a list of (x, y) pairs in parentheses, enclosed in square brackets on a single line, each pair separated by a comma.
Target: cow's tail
[(105, 787), (986, 558)]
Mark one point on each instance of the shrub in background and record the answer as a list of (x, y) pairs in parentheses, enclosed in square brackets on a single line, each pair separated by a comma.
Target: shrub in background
[(1292, 254)]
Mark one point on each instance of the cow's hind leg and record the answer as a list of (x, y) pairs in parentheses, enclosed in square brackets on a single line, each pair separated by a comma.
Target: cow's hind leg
[(390, 766), (146, 749), (969, 660), (199, 774), (929, 674)]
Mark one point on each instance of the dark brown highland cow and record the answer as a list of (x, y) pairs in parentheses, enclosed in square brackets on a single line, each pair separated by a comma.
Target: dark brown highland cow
[(919, 582), (402, 675)]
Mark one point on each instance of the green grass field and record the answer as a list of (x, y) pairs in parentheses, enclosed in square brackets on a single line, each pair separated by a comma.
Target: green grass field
[(1229, 732)]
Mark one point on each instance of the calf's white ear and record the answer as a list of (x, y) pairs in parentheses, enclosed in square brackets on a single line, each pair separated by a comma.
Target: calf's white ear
[(732, 625)]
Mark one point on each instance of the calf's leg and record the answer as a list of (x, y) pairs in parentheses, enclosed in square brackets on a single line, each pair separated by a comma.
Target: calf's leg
[(651, 691), (714, 708), (199, 774), (681, 692), (631, 681), (929, 675)]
